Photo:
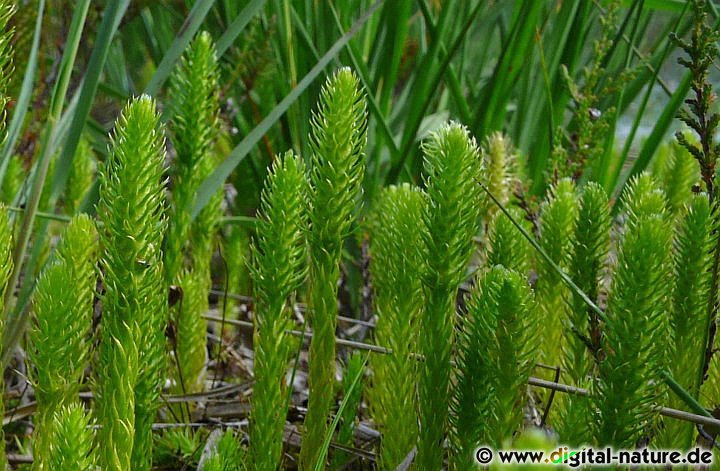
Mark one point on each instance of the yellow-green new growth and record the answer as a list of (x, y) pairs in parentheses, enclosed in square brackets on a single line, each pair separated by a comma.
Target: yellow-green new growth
[(582, 329), (81, 176), (59, 347), (278, 270), (338, 143), (71, 440), (453, 168), (132, 348), (395, 264)]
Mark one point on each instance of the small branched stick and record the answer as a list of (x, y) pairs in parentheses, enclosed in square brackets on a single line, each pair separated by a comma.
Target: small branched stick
[(132, 348), (452, 215), (338, 145), (698, 115), (278, 270), (64, 308), (396, 259)]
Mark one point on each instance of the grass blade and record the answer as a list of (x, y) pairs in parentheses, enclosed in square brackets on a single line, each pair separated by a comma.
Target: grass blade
[(185, 34), (238, 25), (319, 465)]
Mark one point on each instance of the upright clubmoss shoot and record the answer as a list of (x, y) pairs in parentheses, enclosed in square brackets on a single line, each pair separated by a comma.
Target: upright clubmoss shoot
[(636, 324), (396, 229), (60, 349), (190, 244), (497, 348), (132, 347), (453, 168), (338, 144), (278, 270)]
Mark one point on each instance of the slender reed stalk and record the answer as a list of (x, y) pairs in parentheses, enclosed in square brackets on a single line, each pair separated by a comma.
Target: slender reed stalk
[(338, 143), (278, 270), (396, 228), (60, 350), (453, 167), (132, 348)]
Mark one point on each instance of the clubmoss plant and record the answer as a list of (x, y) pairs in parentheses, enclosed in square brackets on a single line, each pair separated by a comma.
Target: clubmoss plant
[(191, 333), (506, 245), (228, 455), (636, 324), (60, 350), (676, 170), (194, 126), (497, 348), (80, 179), (557, 227), (237, 256), (6, 265), (178, 447), (396, 228), (499, 159), (702, 50), (71, 440), (688, 320), (338, 143), (453, 168), (132, 348), (189, 246), (278, 271), (582, 331)]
